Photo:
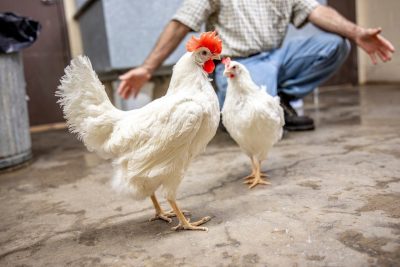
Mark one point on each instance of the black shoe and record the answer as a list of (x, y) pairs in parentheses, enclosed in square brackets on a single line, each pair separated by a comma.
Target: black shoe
[(294, 122)]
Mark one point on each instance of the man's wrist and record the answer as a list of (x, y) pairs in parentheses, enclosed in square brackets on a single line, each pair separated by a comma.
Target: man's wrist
[(150, 70), (357, 33)]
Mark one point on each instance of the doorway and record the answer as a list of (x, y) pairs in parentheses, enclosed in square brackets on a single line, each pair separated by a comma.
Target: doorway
[(348, 73)]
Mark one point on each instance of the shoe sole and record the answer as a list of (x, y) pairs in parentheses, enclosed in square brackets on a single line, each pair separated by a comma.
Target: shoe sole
[(300, 128)]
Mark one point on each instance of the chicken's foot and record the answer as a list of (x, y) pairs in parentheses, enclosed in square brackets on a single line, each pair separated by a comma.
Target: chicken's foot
[(161, 214), (185, 224), (254, 170), (257, 176)]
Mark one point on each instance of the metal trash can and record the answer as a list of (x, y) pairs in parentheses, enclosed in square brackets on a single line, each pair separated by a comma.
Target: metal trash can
[(16, 33), (15, 141)]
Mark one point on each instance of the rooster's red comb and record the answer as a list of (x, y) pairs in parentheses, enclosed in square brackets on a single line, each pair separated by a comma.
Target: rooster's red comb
[(207, 39)]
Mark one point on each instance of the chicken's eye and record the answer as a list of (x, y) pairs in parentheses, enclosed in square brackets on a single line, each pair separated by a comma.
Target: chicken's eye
[(234, 67), (204, 53)]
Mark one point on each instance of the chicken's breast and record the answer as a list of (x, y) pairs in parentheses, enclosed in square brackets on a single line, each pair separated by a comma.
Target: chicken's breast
[(254, 121)]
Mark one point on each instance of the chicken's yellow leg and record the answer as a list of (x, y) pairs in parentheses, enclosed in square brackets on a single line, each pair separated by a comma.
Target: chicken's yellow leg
[(184, 224), (160, 213), (253, 171), (258, 176)]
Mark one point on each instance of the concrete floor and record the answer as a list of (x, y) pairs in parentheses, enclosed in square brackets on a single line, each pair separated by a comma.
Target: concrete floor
[(334, 199)]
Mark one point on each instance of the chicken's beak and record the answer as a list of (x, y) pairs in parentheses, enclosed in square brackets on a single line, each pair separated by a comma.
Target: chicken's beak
[(216, 57), (227, 72)]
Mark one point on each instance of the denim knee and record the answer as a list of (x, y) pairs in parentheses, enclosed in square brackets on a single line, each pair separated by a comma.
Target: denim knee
[(340, 46), (343, 47)]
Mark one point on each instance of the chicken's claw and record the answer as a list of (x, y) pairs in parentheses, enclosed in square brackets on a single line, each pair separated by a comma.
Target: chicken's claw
[(163, 216), (256, 181), (252, 176), (166, 216), (193, 226)]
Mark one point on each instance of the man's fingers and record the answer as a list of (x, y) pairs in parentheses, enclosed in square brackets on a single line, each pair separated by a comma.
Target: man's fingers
[(373, 58), (375, 31), (124, 91), (386, 43), (123, 76), (128, 92), (382, 56), (125, 94), (386, 52), (121, 86)]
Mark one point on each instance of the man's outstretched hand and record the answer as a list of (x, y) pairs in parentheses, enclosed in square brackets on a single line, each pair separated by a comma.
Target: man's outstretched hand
[(132, 81), (374, 44)]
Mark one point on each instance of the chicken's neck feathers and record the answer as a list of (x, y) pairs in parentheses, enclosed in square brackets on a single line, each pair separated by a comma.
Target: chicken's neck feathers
[(242, 85), (187, 73)]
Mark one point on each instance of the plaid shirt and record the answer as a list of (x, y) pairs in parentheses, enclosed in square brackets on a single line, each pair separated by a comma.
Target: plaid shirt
[(246, 27)]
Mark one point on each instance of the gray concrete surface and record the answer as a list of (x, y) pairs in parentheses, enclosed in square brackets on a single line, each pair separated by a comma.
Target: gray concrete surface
[(334, 200)]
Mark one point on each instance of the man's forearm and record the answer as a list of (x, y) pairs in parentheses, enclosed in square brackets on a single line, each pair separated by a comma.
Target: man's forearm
[(170, 38), (330, 20)]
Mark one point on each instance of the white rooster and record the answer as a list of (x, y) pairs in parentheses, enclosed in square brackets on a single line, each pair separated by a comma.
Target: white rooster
[(151, 147), (252, 117)]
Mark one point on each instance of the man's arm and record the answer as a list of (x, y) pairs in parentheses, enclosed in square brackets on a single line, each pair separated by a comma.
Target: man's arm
[(369, 40), (133, 80)]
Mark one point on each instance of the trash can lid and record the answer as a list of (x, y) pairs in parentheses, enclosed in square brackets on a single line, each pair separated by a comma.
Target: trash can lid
[(17, 32)]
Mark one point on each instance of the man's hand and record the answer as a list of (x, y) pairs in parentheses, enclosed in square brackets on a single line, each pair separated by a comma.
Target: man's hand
[(374, 44), (369, 40), (132, 81)]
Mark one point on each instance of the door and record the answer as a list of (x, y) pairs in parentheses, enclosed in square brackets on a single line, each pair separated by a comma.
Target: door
[(45, 60), (348, 73)]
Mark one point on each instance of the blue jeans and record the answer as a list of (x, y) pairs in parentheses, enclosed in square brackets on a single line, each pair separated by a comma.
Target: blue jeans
[(295, 69)]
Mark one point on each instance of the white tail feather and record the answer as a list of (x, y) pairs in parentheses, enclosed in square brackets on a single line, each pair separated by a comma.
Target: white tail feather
[(87, 109)]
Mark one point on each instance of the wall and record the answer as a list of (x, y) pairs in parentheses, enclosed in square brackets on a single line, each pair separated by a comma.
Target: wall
[(133, 28), (384, 13), (119, 34), (95, 39)]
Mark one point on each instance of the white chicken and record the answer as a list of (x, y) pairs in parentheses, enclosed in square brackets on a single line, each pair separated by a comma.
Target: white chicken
[(253, 118), (151, 147)]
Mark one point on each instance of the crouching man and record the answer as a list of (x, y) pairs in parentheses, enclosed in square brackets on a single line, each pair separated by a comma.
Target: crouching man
[(253, 32)]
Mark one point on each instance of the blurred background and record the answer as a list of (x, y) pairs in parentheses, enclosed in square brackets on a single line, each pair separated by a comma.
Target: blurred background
[(332, 201)]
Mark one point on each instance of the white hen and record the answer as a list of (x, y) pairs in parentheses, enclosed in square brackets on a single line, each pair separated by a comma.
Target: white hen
[(151, 146), (252, 117)]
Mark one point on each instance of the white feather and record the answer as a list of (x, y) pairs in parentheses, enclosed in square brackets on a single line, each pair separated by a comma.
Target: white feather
[(151, 146)]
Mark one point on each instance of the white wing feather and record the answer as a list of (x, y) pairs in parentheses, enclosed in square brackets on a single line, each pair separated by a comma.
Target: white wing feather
[(153, 138)]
